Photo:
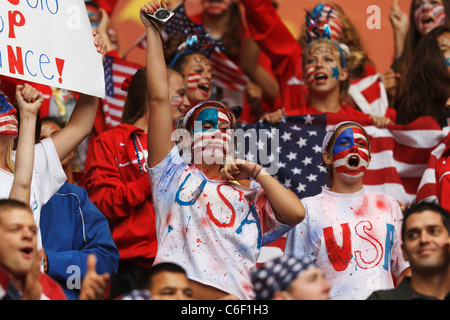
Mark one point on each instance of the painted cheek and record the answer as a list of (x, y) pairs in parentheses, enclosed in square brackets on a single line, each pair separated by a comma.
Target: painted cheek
[(193, 80), (176, 101), (347, 136), (309, 73)]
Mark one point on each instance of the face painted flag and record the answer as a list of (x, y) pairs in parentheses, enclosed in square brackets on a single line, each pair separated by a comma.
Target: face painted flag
[(402, 157), (116, 71)]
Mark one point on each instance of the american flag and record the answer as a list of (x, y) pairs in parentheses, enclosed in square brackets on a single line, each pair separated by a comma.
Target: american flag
[(402, 163), (116, 71), (226, 73)]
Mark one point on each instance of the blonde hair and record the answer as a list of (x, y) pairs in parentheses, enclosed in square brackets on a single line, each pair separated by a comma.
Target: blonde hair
[(9, 152)]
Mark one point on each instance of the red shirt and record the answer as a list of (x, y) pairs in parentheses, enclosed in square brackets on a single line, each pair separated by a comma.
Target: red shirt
[(122, 193)]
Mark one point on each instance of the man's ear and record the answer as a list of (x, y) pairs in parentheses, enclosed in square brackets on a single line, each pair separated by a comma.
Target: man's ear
[(281, 295)]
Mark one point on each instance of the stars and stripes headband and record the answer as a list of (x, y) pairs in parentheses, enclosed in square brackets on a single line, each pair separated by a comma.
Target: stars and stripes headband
[(199, 42), (277, 275)]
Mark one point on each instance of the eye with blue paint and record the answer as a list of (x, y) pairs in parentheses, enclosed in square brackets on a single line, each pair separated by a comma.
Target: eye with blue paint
[(5, 106), (346, 140), (212, 119)]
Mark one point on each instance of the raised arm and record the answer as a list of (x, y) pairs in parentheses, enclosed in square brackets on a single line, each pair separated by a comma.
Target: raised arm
[(82, 119), (29, 101), (160, 118)]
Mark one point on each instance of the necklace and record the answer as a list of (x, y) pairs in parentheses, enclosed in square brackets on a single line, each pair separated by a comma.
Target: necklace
[(133, 136)]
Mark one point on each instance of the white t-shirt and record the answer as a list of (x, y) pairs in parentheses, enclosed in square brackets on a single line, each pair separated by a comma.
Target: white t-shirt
[(355, 240), (48, 177), (214, 229)]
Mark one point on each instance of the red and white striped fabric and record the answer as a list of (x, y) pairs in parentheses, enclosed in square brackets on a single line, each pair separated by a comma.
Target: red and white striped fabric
[(226, 73), (370, 95), (116, 71)]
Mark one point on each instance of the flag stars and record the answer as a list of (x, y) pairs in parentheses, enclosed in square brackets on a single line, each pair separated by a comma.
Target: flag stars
[(317, 149), (286, 136), (308, 119), (302, 142), (292, 156), (296, 171), (312, 177), (301, 187), (307, 161), (312, 133)]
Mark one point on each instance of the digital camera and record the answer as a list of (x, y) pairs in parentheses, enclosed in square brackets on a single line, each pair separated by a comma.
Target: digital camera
[(161, 16)]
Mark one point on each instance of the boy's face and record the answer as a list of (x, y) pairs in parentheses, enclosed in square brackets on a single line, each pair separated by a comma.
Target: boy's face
[(18, 244), (323, 71)]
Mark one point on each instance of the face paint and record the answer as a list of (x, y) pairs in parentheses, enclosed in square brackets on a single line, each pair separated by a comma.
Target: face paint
[(351, 153), (193, 80), (428, 16), (211, 135), (335, 72), (309, 72), (8, 120)]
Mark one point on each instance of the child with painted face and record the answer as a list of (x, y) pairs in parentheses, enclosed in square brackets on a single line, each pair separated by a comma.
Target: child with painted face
[(351, 233), (211, 226), (193, 66)]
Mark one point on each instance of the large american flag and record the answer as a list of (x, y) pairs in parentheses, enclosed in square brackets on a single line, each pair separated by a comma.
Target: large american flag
[(116, 71), (402, 164)]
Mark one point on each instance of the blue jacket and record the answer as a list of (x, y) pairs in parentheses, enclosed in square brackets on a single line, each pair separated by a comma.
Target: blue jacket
[(72, 228)]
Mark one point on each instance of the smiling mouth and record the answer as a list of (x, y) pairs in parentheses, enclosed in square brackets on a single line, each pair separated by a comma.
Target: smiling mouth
[(320, 77), (204, 87)]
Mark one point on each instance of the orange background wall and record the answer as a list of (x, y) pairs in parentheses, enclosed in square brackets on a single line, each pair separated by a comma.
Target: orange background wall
[(378, 43)]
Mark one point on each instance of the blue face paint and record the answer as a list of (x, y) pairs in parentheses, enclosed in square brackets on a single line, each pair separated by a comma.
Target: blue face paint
[(335, 72), (447, 62), (346, 138), (208, 116)]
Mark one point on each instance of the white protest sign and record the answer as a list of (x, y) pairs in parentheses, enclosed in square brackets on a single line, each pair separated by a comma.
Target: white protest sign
[(50, 42)]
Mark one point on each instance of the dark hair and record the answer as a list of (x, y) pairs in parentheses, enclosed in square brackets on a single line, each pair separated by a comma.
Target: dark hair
[(427, 82), (421, 207), (137, 98), (9, 204), (144, 280), (404, 63)]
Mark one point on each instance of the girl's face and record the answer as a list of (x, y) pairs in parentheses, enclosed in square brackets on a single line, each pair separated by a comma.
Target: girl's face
[(350, 153), (323, 71), (179, 103), (211, 136), (8, 120), (428, 14), (198, 75), (444, 45), (216, 6)]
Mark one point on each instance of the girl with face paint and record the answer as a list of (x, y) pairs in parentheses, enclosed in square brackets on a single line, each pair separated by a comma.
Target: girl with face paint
[(351, 233), (424, 16), (213, 222), (313, 79), (117, 182), (430, 71)]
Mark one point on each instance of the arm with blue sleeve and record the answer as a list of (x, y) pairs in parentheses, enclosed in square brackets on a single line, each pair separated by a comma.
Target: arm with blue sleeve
[(73, 228)]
